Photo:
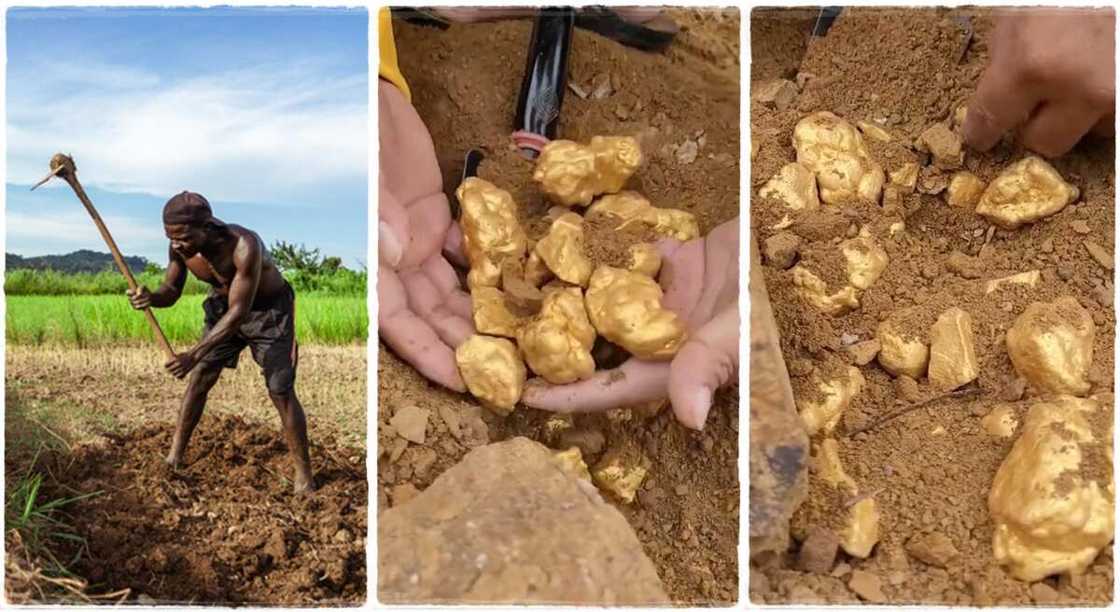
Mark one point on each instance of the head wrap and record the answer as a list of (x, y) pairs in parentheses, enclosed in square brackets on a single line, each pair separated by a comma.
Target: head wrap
[(187, 208)]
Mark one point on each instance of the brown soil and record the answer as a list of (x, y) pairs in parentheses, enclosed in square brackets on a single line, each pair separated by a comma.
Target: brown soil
[(465, 82), (226, 529), (930, 466)]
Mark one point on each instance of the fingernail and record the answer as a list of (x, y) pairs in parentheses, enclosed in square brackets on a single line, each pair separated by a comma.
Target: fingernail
[(388, 245), (697, 409)]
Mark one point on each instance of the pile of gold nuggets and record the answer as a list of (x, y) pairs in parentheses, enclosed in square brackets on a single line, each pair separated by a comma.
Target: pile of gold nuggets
[(1050, 516)]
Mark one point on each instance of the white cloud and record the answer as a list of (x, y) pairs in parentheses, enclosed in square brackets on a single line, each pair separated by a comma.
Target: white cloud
[(278, 134), (77, 228)]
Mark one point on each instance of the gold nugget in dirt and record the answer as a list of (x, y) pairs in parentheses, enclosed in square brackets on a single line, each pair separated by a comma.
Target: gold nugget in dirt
[(250, 305)]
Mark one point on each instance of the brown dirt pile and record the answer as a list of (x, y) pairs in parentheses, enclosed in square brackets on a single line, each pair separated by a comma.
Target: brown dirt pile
[(465, 82), (929, 465), (226, 529)]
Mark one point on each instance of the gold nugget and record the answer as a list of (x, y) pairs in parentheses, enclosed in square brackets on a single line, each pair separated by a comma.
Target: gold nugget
[(1001, 422), (795, 185), (1051, 345), (562, 250), (632, 209), (1029, 278), (625, 307), (491, 313), (815, 291), (620, 472), (1025, 192), (901, 353), (861, 524), (834, 150), (866, 259), (644, 259), (492, 371), (824, 414), (952, 355), (964, 190), (491, 231), (571, 463), (572, 174), (557, 342), (1051, 515)]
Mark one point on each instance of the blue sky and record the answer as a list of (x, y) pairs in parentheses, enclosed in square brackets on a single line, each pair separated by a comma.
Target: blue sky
[(263, 111)]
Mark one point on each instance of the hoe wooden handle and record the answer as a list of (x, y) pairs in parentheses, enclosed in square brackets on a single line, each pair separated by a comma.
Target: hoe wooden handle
[(63, 167)]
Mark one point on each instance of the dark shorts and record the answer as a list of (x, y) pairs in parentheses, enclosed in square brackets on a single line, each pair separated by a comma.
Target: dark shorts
[(269, 332)]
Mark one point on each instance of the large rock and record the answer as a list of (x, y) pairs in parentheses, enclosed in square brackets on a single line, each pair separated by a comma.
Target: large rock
[(779, 445), (508, 525)]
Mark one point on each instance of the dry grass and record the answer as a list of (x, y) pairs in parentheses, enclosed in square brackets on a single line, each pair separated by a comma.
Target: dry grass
[(75, 394)]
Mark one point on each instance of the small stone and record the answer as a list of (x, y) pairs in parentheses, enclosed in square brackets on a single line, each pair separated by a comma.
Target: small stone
[(681, 489), (862, 353), (847, 339), (708, 444), (907, 388), (943, 144), (1080, 226), (1043, 593), (933, 548), (601, 87), (1047, 245), (687, 151), (343, 536), (411, 422), (1103, 295), (779, 93), (1103, 257), (781, 249), (1065, 272), (621, 112), (964, 266), (841, 570), (897, 578), (867, 586), (577, 90), (818, 551), (145, 600), (1013, 391)]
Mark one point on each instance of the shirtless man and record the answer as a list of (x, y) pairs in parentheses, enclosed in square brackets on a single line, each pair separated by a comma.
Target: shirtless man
[(250, 304)]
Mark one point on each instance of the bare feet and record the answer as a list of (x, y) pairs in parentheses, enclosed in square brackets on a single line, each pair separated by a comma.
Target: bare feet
[(173, 460), (304, 484)]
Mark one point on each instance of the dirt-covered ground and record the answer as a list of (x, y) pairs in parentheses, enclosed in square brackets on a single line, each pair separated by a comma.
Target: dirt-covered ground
[(465, 82), (95, 424), (929, 468)]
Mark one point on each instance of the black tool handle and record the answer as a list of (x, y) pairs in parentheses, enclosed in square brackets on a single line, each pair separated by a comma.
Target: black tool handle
[(546, 77)]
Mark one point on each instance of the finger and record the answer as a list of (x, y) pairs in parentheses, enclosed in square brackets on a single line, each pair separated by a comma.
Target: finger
[(1002, 102), (392, 229), (453, 246), (413, 339), (1056, 127), (707, 361), (631, 383), (430, 218), (721, 277), (682, 278), (425, 300), (445, 279)]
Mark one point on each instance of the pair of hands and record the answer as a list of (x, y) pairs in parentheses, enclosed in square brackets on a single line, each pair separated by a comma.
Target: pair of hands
[(180, 365), (1051, 76), (424, 313)]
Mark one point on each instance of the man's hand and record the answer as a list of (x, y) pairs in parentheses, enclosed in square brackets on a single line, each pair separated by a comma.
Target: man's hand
[(1051, 74), (701, 283), (181, 364), (140, 299), (423, 312)]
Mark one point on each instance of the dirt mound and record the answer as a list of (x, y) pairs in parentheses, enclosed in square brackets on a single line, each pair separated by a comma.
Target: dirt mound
[(465, 82), (224, 529)]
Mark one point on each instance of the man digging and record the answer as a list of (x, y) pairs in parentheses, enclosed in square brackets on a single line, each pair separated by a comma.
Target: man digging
[(250, 304)]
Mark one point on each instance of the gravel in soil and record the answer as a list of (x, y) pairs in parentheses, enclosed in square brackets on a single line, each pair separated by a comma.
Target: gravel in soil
[(930, 468), (224, 529), (684, 101)]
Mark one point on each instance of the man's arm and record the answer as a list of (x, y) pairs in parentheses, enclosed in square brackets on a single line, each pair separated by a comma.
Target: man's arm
[(247, 259), (169, 292)]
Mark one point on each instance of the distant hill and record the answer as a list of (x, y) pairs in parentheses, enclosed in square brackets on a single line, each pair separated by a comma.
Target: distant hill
[(78, 261)]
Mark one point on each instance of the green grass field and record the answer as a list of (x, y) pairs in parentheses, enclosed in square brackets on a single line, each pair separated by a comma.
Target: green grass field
[(98, 320)]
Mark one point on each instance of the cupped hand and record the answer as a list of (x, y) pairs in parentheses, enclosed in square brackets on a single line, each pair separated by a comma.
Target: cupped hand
[(701, 283), (423, 313), (1051, 74)]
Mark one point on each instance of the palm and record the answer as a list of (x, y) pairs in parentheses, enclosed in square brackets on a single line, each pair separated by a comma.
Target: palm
[(423, 313), (701, 283)]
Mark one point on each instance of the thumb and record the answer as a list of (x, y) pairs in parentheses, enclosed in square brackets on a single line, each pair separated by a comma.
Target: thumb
[(707, 361), (392, 229)]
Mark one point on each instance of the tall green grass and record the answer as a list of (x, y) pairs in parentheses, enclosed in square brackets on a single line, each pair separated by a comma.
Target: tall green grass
[(49, 282), (100, 320)]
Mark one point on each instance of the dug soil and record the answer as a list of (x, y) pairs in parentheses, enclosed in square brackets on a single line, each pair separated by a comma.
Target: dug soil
[(683, 106), (929, 466), (225, 529)]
